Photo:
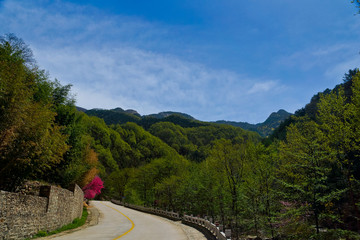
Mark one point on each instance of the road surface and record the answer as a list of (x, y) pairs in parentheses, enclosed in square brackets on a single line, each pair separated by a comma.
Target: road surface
[(117, 222)]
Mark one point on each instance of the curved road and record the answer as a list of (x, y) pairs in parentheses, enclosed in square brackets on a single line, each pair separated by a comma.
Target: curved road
[(117, 222)]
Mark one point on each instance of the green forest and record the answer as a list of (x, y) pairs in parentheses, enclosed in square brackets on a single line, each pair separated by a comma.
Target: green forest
[(302, 182)]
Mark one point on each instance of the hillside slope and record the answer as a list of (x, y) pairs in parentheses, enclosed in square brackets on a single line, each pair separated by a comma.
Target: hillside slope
[(265, 128), (120, 116)]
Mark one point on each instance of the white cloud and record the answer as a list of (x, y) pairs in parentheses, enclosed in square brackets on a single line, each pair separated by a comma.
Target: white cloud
[(325, 65), (142, 80), (108, 61), (337, 71), (326, 51), (262, 87), (59, 23), (317, 56)]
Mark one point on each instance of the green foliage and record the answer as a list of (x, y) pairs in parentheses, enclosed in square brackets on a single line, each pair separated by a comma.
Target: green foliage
[(119, 116), (148, 180), (116, 183), (15, 48), (319, 170), (31, 143), (41, 234), (195, 142), (311, 109), (113, 116), (183, 120), (338, 234), (106, 158), (306, 164)]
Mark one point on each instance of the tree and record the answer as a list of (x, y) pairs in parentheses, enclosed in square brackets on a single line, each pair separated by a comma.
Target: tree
[(320, 161), (16, 49), (341, 126), (166, 192), (258, 188), (93, 188), (116, 183), (198, 192), (306, 164), (349, 76), (229, 160), (31, 143)]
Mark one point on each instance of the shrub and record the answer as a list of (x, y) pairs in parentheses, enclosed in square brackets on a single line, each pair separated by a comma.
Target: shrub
[(93, 188)]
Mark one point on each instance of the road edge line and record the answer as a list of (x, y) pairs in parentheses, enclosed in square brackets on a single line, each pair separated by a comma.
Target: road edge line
[(132, 223)]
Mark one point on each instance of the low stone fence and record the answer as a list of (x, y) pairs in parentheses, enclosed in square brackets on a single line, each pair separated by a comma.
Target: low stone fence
[(162, 213), (200, 223), (212, 228), (22, 216)]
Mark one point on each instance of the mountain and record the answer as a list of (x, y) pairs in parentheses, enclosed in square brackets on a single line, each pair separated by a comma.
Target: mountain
[(80, 109), (183, 120), (265, 128), (128, 111), (275, 118), (121, 116), (115, 116), (168, 113)]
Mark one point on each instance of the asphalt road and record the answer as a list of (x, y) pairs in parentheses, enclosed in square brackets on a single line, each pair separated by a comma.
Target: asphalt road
[(117, 222)]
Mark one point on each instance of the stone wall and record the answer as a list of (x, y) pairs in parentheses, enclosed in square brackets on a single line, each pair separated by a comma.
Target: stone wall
[(22, 216)]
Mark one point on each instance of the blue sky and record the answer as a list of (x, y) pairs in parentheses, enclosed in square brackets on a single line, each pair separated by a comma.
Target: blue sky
[(235, 60)]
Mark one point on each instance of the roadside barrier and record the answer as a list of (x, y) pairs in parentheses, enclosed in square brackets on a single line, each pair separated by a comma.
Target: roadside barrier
[(215, 231), (159, 212), (211, 227)]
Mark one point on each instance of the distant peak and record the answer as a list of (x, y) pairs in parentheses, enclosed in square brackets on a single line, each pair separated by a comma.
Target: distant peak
[(161, 115), (132, 111), (265, 128), (282, 111), (80, 109), (118, 109), (278, 116)]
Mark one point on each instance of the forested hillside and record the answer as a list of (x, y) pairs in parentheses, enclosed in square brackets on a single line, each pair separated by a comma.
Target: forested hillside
[(302, 184), (120, 116), (311, 109)]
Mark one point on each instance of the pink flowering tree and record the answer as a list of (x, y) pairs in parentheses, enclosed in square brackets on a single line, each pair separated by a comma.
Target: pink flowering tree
[(93, 188)]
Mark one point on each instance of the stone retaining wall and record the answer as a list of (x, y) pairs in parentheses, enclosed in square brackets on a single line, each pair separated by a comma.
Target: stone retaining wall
[(22, 216)]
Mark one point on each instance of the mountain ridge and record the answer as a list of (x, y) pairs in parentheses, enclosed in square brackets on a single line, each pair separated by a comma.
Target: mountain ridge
[(121, 116), (265, 128)]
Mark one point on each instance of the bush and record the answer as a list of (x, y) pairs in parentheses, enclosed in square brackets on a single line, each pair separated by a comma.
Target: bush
[(93, 188)]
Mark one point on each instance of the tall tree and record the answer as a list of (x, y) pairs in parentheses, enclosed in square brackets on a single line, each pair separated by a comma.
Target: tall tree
[(258, 189), (30, 141), (305, 168), (230, 159), (340, 124)]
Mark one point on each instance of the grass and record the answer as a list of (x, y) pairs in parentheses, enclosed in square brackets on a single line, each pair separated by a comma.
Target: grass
[(78, 222)]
